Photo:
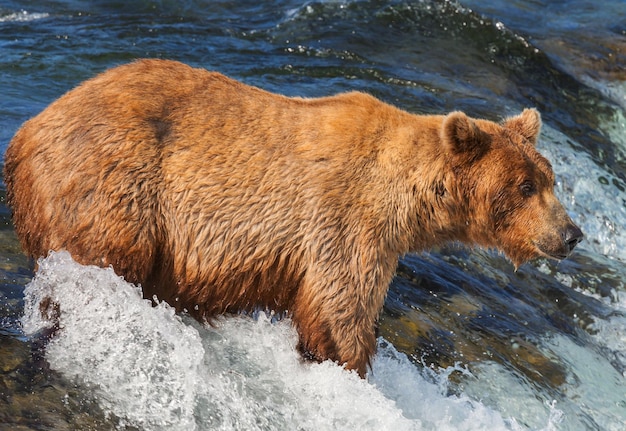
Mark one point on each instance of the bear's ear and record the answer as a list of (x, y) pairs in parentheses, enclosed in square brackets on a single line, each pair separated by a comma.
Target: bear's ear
[(461, 135), (527, 124)]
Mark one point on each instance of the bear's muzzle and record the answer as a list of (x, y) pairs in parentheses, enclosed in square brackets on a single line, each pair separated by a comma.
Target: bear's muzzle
[(571, 237)]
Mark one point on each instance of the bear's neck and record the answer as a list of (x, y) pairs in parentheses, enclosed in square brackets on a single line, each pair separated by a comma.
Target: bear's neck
[(430, 208)]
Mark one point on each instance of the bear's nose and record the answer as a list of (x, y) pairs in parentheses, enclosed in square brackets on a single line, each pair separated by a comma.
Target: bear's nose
[(572, 236)]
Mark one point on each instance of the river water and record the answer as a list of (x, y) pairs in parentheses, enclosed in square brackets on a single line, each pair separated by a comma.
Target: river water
[(467, 343)]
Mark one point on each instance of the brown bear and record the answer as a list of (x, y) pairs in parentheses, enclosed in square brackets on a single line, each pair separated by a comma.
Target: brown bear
[(219, 197)]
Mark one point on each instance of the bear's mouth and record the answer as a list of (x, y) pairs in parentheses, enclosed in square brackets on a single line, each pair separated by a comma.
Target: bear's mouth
[(558, 254)]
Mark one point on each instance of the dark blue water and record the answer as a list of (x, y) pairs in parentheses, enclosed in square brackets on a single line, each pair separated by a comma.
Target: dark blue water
[(467, 342)]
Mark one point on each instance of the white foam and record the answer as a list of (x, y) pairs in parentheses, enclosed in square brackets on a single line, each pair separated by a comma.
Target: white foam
[(22, 16), (155, 370), (114, 340)]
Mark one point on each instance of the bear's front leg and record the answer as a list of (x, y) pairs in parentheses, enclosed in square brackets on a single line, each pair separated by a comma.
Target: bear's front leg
[(337, 321)]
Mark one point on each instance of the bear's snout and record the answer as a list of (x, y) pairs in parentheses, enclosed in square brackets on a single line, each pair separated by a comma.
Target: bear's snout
[(559, 242), (562, 244), (572, 235)]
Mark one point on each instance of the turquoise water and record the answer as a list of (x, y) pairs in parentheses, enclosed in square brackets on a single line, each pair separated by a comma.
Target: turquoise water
[(466, 342)]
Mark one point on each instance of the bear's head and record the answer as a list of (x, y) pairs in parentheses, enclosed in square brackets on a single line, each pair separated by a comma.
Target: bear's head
[(507, 187)]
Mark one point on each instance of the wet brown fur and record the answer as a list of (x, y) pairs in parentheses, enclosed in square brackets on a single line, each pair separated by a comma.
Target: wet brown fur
[(220, 197)]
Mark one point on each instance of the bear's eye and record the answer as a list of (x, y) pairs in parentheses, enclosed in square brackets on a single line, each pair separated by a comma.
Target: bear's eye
[(528, 188)]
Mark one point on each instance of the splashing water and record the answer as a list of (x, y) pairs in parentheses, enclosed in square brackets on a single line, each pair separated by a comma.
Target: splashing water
[(154, 369)]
